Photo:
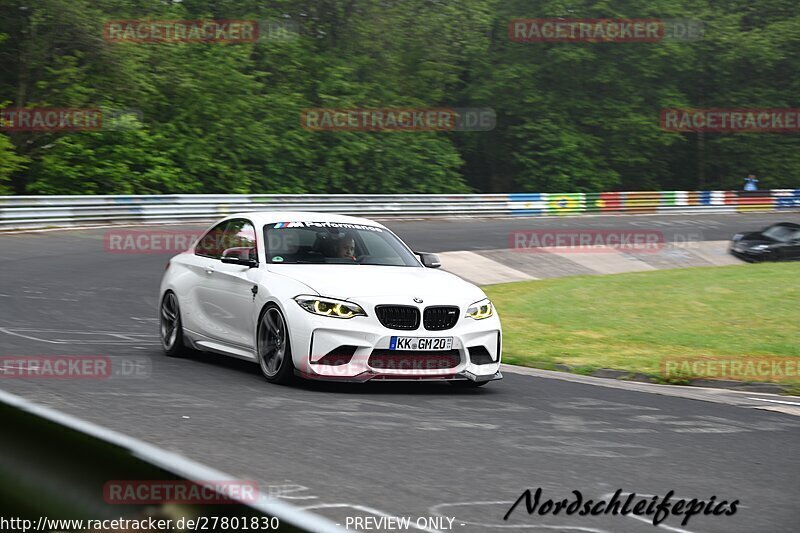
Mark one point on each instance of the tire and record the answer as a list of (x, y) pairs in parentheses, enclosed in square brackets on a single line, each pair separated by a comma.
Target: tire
[(170, 327), (467, 384), (273, 347)]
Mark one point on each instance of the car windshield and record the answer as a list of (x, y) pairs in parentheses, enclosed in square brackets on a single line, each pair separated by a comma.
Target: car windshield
[(780, 233), (334, 243)]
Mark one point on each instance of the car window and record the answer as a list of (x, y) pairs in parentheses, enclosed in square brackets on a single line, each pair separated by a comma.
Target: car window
[(240, 233), (287, 243), (228, 234), (211, 244), (779, 233), (379, 249)]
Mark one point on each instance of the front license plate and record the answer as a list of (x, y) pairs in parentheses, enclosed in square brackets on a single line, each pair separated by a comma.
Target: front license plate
[(421, 343)]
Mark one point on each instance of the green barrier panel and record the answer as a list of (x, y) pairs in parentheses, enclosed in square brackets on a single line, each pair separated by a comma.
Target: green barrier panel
[(55, 467)]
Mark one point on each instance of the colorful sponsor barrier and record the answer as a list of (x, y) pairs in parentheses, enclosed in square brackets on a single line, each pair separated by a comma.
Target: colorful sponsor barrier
[(611, 202), (641, 202), (46, 211), (527, 204), (566, 203), (747, 201), (787, 199), (646, 202)]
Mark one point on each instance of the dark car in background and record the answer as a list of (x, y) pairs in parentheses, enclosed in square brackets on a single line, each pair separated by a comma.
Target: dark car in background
[(778, 242)]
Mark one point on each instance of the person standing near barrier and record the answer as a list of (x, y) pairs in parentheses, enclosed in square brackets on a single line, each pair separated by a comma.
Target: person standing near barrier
[(751, 183)]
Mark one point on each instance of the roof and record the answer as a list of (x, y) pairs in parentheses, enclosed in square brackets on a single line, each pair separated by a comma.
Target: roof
[(270, 217)]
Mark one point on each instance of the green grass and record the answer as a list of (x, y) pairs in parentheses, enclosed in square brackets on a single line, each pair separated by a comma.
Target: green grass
[(632, 321)]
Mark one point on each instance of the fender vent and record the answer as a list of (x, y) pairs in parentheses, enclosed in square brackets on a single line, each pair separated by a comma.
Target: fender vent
[(479, 355), (338, 356)]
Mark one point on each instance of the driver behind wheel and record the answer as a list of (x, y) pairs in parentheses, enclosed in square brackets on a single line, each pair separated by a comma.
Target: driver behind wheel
[(346, 247)]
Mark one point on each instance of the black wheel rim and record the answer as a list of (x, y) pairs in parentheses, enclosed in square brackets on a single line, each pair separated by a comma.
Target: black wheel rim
[(271, 342), (169, 320)]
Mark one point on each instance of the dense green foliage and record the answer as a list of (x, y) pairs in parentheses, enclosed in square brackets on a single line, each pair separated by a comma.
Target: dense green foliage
[(224, 118)]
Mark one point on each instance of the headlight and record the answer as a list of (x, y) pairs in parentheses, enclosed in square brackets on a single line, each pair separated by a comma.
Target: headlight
[(759, 247), (480, 310), (322, 306)]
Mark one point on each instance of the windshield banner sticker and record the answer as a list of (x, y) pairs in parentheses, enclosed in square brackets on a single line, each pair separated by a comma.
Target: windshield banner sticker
[(343, 225)]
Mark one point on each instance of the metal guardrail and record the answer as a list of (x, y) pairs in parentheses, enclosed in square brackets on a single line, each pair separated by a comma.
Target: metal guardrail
[(56, 467), (44, 211)]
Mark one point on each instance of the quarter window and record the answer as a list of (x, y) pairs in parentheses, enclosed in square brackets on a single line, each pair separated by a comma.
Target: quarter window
[(212, 243), (240, 233), (237, 233)]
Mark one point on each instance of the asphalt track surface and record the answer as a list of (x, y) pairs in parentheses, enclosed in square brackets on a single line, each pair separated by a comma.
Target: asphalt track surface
[(415, 450), (493, 234)]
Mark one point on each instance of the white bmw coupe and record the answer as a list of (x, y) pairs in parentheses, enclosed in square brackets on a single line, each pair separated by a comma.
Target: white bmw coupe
[(327, 297)]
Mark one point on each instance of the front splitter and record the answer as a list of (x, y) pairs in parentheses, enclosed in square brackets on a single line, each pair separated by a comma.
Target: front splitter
[(376, 376)]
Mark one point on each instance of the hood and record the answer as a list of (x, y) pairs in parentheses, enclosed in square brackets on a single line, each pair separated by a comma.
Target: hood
[(756, 237), (373, 282)]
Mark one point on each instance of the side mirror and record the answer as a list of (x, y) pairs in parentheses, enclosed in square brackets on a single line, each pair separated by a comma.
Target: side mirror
[(429, 260), (240, 256)]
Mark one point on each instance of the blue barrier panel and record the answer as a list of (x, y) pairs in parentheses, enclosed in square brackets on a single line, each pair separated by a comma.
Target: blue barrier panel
[(527, 203), (788, 199)]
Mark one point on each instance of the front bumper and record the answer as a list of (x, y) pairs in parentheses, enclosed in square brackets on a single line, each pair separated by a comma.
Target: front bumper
[(751, 256), (475, 355)]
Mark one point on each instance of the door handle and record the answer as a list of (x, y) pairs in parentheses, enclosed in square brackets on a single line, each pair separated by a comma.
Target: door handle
[(209, 270)]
